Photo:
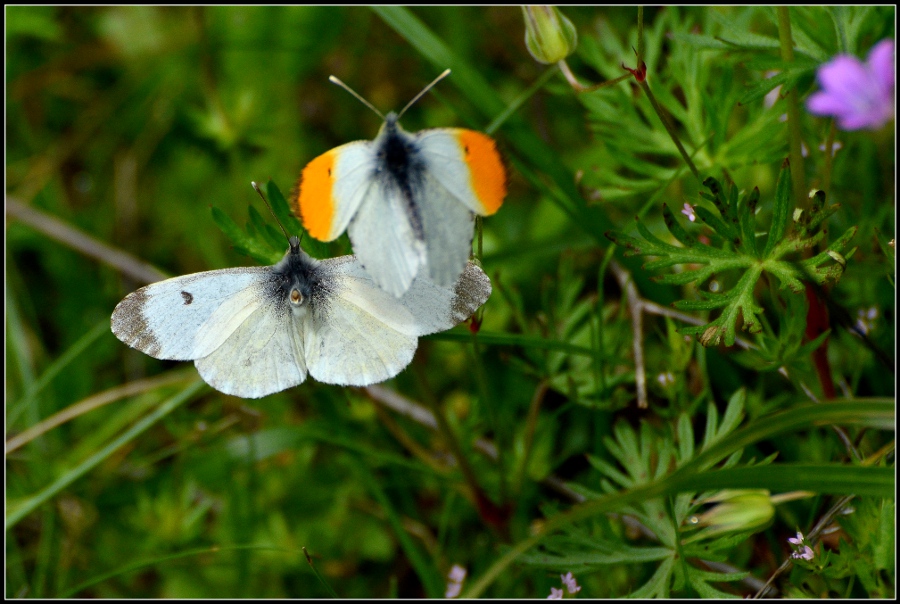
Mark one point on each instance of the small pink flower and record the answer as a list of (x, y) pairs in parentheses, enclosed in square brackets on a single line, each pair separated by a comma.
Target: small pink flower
[(834, 148), (555, 594), (453, 590), (860, 95), (457, 573), (774, 94), (688, 211), (570, 583), (456, 576), (803, 551)]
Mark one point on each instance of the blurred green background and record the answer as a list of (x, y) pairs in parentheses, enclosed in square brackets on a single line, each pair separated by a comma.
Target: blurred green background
[(130, 123)]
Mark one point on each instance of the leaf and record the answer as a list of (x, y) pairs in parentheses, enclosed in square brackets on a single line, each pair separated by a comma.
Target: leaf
[(781, 211), (736, 225), (244, 243)]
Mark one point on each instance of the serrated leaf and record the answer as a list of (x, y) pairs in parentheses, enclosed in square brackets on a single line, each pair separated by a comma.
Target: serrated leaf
[(275, 241), (781, 211), (676, 229), (747, 221), (721, 227), (242, 242), (787, 78), (701, 41), (281, 208)]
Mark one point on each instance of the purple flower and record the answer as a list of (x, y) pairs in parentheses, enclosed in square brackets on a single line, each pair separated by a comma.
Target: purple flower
[(803, 551), (688, 210), (456, 577), (570, 583), (457, 573), (555, 594), (860, 95)]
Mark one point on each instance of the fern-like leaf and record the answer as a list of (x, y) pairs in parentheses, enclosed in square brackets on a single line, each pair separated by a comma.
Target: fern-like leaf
[(735, 224)]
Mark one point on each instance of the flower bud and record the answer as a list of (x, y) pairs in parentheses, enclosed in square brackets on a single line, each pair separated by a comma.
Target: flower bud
[(739, 510), (549, 36)]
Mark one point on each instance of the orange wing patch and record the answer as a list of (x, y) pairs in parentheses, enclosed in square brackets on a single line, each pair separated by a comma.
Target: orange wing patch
[(316, 196), (486, 169)]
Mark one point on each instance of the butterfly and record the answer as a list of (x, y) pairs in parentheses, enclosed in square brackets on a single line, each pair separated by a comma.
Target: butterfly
[(407, 200), (254, 331)]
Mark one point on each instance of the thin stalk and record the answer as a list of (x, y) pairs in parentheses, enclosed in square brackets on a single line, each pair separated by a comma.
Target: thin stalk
[(95, 401), (407, 441), (481, 378), (479, 253), (578, 87), (640, 35), (452, 441), (663, 116), (670, 128), (530, 424), (829, 157), (321, 579), (519, 101), (793, 106)]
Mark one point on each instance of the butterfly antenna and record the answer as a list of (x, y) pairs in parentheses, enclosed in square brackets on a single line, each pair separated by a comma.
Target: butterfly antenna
[(266, 201), (358, 96), (424, 90)]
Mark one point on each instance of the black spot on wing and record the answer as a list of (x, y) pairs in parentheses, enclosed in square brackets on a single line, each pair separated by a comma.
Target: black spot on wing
[(188, 297)]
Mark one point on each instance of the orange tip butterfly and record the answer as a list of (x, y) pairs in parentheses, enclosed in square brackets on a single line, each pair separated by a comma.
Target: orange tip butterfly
[(405, 199)]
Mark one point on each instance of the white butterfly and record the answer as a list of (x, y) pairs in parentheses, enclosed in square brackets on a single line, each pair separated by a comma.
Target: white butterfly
[(407, 200), (258, 330)]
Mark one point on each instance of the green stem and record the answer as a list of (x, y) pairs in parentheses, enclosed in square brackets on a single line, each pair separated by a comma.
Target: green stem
[(315, 570), (519, 100), (829, 157), (640, 34), (663, 116), (489, 402), (670, 128), (793, 105), (449, 436), (479, 253)]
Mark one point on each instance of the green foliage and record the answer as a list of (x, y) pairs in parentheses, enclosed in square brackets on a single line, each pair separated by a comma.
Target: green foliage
[(736, 233), (645, 457), (586, 431), (861, 562)]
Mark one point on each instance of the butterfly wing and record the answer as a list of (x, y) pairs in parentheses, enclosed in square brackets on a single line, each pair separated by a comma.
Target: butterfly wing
[(262, 356), (332, 187), (436, 308), (468, 164), (243, 343), (356, 333), (170, 319), (387, 236), (431, 308), (448, 226)]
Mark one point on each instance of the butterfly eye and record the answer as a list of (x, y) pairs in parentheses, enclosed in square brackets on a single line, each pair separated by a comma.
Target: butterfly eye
[(296, 297)]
